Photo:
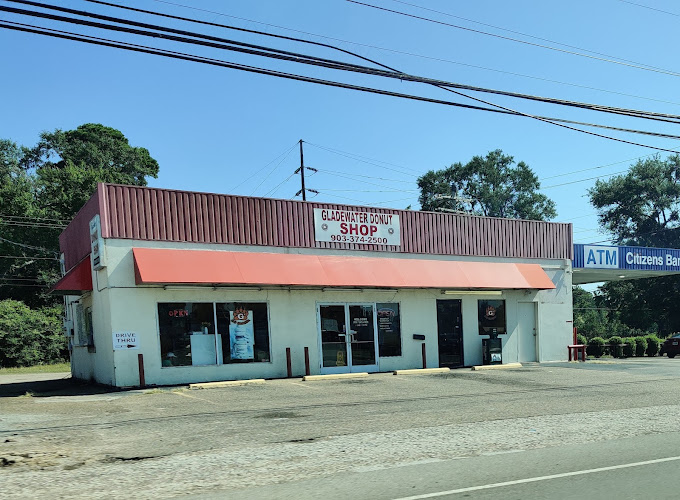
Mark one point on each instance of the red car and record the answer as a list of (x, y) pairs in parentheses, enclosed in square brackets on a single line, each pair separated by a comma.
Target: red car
[(671, 346)]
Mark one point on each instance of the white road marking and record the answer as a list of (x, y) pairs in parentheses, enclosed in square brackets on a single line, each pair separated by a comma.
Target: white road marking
[(504, 452), (539, 478)]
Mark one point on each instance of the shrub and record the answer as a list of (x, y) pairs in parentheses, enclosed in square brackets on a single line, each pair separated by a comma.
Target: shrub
[(615, 347), (653, 345), (640, 346), (595, 347), (30, 336), (629, 347), (581, 339)]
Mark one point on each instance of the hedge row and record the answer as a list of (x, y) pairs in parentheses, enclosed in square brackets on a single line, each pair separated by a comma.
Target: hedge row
[(624, 347)]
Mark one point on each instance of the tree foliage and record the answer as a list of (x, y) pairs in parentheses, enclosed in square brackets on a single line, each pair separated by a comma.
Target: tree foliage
[(490, 185), (30, 336), (43, 187), (69, 164), (642, 207), (590, 320)]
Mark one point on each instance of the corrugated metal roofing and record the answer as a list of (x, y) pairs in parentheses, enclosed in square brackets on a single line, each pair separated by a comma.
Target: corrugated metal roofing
[(143, 213)]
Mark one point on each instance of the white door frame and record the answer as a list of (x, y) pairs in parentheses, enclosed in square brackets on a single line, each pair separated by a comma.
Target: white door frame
[(350, 367)]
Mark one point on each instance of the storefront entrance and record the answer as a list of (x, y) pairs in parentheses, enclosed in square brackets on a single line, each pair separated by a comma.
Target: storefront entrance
[(348, 335), (450, 333)]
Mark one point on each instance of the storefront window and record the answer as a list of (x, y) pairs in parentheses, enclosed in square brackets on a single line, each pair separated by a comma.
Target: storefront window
[(491, 317), (243, 328), (187, 334), (389, 329)]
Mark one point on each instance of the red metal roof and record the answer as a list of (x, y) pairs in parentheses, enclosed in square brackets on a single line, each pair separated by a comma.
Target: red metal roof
[(76, 281), (170, 266), (151, 214)]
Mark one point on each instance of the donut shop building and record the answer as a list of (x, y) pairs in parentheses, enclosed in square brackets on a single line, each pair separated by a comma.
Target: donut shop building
[(209, 287)]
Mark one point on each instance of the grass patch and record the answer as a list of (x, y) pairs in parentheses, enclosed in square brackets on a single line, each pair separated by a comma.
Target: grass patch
[(56, 368)]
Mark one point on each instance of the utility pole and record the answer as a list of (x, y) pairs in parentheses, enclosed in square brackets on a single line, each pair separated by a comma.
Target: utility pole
[(301, 169), (302, 173)]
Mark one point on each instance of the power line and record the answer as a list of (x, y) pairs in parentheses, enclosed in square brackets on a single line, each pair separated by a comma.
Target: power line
[(264, 51), (278, 186), (613, 61), (207, 23), (260, 170), (352, 42), (24, 217), (363, 159), (272, 170), (178, 55), (354, 176), (584, 180), (29, 224), (521, 33), (596, 168), (30, 247), (23, 257), (651, 8)]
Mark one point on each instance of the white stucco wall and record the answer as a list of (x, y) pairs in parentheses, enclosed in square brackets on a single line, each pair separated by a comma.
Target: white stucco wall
[(119, 306)]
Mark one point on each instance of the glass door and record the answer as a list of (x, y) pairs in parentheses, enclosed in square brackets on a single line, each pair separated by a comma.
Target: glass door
[(333, 321), (450, 333), (348, 338)]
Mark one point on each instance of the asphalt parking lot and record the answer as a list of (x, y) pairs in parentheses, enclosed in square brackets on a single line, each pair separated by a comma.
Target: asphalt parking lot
[(70, 440)]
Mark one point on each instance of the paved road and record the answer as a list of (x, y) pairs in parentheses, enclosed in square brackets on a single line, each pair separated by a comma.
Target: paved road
[(381, 437), (642, 467)]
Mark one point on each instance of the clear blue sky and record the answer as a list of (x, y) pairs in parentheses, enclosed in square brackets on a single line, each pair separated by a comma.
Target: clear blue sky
[(222, 130)]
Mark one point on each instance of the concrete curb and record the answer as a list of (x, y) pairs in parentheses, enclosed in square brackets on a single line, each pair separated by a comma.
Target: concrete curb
[(497, 367), (226, 383), (312, 378), (421, 371)]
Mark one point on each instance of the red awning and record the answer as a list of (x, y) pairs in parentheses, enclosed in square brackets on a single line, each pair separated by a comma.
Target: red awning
[(165, 266), (76, 281)]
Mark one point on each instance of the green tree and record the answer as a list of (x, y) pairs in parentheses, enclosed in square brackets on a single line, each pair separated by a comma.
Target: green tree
[(30, 336), (590, 319), (642, 207), (43, 187), (490, 185), (69, 164)]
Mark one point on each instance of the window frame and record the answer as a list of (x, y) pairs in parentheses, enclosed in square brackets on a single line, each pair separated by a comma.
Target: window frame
[(214, 306)]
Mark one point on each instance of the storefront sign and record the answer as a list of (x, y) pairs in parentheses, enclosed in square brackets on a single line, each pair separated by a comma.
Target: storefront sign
[(347, 226), (601, 257), (614, 257), (125, 340), (97, 244), (241, 334)]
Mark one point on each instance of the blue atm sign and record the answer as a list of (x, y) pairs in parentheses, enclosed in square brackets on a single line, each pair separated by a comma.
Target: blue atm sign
[(613, 257), (600, 257)]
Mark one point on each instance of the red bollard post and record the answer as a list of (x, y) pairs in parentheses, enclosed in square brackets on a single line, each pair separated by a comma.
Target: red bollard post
[(140, 362), (307, 361)]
